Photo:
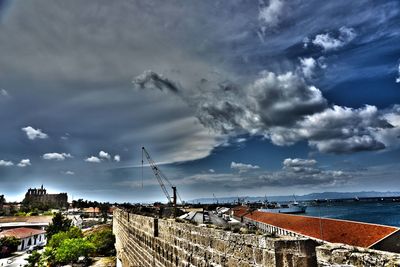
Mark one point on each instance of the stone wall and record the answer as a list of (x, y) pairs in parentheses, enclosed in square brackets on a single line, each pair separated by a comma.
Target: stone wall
[(343, 255), (145, 241)]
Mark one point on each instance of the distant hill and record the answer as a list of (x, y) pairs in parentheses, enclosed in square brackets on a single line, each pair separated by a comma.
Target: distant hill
[(312, 196)]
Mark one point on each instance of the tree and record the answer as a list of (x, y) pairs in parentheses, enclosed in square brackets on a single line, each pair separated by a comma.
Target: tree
[(59, 224), (71, 249), (8, 245), (33, 259), (104, 208), (57, 239), (103, 241)]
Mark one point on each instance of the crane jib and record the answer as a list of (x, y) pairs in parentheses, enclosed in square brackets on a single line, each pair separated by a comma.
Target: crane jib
[(160, 178)]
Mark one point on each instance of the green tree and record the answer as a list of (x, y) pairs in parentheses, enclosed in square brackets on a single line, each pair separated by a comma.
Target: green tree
[(33, 259), (8, 245), (57, 239), (59, 224), (70, 250), (104, 208), (103, 241)]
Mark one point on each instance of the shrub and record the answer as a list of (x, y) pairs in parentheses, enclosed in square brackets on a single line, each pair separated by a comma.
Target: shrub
[(8, 245), (33, 259), (103, 241), (70, 250), (58, 238)]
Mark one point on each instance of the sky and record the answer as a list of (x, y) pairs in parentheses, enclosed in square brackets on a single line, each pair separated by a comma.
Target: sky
[(231, 98)]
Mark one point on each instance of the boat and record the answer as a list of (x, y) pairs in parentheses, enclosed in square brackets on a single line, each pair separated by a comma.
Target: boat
[(293, 207)]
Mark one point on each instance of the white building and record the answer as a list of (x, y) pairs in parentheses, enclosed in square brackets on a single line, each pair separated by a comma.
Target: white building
[(28, 236)]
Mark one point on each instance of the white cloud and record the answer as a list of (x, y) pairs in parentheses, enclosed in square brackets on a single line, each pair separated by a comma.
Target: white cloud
[(328, 42), (242, 167), (117, 158), (336, 130), (398, 73), (3, 92), (6, 163), (270, 14), (308, 66), (56, 156), (69, 173), (93, 159), (311, 67), (33, 133), (104, 155), (65, 136), (289, 162), (24, 163), (211, 170)]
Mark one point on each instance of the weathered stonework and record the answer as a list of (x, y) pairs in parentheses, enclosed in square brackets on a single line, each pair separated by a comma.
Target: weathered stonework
[(38, 197), (140, 243), (145, 241), (343, 255)]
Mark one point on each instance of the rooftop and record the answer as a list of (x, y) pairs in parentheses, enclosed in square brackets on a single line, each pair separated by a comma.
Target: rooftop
[(26, 219), (240, 211), (330, 230), (22, 232), (92, 210)]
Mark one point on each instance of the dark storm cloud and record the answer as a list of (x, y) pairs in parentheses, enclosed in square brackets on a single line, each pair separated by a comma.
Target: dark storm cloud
[(153, 80), (67, 66), (285, 106), (286, 109)]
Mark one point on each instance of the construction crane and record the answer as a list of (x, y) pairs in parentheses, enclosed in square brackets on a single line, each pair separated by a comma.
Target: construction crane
[(160, 178), (216, 200)]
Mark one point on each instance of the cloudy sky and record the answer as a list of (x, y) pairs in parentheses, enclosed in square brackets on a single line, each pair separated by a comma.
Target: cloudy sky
[(230, 97)]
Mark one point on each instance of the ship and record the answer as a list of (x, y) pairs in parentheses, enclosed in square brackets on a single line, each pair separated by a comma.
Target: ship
[(293, 207)]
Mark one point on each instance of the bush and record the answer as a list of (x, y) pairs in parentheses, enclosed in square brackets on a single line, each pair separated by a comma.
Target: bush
[(33, 259), (8, 245), (103, 241), (70, 250), (58, 238), (48, 213)]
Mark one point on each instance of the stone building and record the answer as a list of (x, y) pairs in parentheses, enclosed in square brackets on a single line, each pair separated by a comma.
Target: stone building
[(38, 197)]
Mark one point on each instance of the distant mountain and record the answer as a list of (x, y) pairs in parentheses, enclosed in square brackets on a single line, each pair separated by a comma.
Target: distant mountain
[(312, 196)]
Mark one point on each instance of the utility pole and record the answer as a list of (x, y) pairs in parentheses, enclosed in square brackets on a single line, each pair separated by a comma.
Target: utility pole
[(174, 200)]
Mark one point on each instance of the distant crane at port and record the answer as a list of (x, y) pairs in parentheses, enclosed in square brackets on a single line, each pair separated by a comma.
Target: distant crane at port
[(215, 199), (161, 178)]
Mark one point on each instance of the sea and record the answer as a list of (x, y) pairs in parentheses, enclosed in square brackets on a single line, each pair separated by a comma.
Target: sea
[(386, 213)]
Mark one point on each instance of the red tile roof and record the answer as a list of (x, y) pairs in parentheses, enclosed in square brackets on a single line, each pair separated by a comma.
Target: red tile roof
[(239, 211), (331, 230), (91, 210), (22, 232)]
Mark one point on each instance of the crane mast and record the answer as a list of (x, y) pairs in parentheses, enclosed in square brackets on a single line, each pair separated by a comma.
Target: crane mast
[(160, 177)]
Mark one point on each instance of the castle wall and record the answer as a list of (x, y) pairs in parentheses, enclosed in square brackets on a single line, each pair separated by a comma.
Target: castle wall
[(146, 241), (344, 255)]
